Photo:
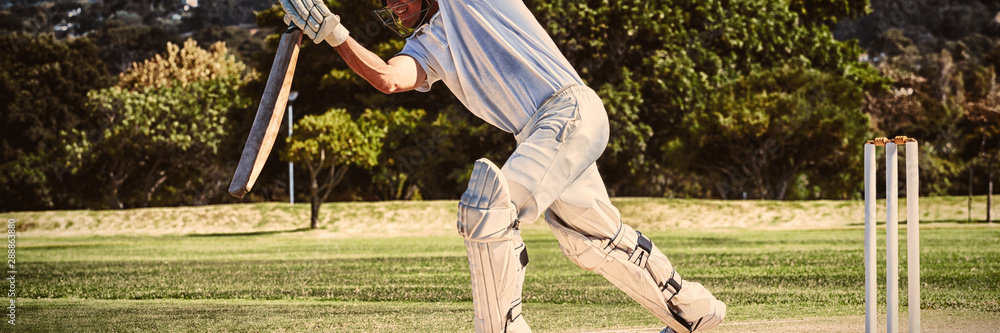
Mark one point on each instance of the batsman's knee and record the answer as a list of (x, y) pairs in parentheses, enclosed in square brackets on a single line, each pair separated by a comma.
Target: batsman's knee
[(485, 212)]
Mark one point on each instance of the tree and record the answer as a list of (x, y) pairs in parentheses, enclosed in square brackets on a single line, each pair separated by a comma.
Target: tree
[(982, 134), (828, 12), (786, 132), (654, 63), (327, 145), (428, 148), (44, 84), (225, 12), (237, 39), (409, 144), (658, 63), (941, 87), (165, 117), (424, 156), (122, 44)]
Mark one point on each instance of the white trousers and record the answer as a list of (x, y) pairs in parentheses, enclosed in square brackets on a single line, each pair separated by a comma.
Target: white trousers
[(554, 167), (556, 150)]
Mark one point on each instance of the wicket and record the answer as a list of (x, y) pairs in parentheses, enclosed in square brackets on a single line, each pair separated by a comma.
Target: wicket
[(892, 234)]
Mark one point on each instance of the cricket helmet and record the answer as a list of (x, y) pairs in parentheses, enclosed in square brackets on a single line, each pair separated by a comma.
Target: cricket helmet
[(389, 17)]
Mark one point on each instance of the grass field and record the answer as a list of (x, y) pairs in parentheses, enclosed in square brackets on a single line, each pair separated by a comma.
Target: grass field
[(259, 277)]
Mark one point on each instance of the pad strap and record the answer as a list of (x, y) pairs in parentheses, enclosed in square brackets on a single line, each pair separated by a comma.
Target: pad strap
[(515, 311), (672, 285), (640, 254), (613, 244), (524, 256)]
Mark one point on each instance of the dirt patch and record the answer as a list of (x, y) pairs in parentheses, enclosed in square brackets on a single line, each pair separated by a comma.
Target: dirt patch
[(417, 218), (931, 321)]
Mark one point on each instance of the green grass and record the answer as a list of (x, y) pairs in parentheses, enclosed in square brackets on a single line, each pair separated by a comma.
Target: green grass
[(301, 280)]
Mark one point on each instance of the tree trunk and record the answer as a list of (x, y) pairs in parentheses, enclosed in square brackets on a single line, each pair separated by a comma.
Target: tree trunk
[(154, 178), (314, 213), (334, 178), (115, 182), (317, 193), (410, 192), (989, 199), (314, 199), (969, 209), (114, 200)]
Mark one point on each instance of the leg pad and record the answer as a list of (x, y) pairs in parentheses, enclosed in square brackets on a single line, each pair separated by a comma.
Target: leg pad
[(497, 256), (630, 261)]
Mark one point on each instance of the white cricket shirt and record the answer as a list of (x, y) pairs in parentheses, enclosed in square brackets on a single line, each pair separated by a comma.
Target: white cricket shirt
[(494, 56)]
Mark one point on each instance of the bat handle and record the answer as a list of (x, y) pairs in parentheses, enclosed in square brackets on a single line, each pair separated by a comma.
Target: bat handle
[(291, 27)]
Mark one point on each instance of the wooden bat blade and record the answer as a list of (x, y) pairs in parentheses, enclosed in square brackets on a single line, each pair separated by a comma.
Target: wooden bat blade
[(268, 119)]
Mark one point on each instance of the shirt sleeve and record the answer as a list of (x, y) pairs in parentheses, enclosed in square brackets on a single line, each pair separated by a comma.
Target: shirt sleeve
[(415, 50)]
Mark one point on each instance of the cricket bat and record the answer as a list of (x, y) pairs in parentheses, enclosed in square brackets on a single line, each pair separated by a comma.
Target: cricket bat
[(268, 119)]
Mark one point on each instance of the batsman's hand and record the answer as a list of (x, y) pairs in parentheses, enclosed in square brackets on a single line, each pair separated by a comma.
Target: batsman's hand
[(315, 20)]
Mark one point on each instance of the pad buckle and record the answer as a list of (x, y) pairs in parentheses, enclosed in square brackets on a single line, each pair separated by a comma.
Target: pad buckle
[(672, 283), (642, 249)]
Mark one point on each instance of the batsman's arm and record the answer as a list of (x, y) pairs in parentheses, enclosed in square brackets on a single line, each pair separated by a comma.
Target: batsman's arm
[(401, 73)]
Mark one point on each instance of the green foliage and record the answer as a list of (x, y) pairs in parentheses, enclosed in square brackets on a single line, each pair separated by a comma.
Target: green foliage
[(402, 153), (427, 149), (675, 77), (44, 84), (328, 145), (943, 93), (692, 54), (238, 39), (623, 103), (981, 135), (156, 119), (33, 18), (167, 117), (183, 66), (828, 12), (425, 156), (795, 131), (121, 44), (334, 139), (655, 64)]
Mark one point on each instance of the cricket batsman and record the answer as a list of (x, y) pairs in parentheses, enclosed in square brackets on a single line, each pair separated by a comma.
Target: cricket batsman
[(499, 61)]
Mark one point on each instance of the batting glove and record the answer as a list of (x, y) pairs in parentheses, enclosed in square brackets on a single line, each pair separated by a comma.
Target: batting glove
[(315, 20)]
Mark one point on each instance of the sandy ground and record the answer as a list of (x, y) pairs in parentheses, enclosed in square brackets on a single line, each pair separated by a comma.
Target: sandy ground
[(931, 321), (417, 218)]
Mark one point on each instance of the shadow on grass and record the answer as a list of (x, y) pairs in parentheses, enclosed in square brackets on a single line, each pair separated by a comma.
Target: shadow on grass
[(903, 222), (251, 233), (964, 221)]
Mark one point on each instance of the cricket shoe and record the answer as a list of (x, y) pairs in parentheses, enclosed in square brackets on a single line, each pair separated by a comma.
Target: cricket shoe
[(712, 319)]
